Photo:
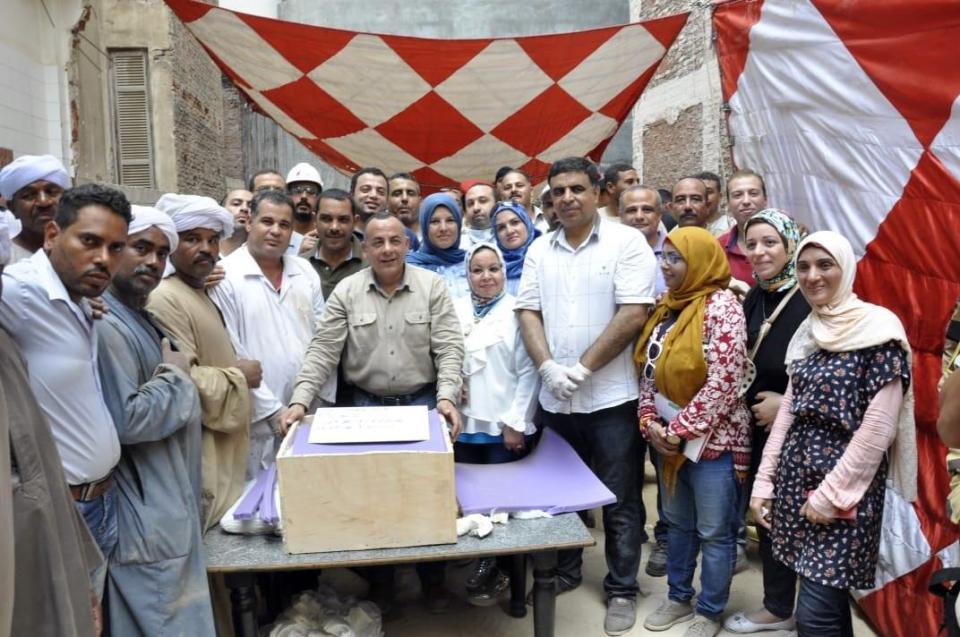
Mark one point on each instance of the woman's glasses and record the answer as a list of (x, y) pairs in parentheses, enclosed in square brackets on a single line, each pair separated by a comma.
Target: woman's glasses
[(670, 258)]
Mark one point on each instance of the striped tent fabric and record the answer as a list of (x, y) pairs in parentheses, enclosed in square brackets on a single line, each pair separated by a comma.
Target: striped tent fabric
[(443, 110), (850, 111)]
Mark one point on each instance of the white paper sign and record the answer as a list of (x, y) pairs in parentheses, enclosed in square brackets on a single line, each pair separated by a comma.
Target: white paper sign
[(370, 424)]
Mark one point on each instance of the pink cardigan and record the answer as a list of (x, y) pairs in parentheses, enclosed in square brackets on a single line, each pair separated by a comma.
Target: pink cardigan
[(842, 488)]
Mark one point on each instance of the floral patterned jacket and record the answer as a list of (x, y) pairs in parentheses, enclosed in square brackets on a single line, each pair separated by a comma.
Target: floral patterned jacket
[(717, 407)]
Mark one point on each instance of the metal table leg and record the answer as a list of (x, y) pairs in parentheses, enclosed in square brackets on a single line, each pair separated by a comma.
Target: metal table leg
[(244, 603), (518, 586), (544, 593)]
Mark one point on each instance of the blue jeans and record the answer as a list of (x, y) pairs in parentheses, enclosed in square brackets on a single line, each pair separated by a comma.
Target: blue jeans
[(823, 611), (702, 517), (101, 518)]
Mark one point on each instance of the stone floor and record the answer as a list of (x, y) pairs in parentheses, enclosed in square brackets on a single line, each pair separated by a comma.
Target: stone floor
[(579, 613)]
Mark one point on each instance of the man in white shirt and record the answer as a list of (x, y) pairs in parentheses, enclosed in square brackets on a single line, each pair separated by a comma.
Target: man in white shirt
[(718, 222), (45, 309), (616, 179), (584, 295), (270, 302), (32, 186), (479, 200)]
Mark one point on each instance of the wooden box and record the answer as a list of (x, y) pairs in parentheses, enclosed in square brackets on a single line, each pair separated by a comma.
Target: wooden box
[(368, 499)]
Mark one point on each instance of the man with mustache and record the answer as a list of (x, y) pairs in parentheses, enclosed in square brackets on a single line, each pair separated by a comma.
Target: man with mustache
[(514, 184), (690, 202), (156, 410), (32, 186), (265, 288), (339, 253), (181, 307), (47, 552), (45, 308), (304, 186)]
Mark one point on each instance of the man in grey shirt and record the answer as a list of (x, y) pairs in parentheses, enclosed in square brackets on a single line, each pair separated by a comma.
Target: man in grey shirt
[(395, 332)]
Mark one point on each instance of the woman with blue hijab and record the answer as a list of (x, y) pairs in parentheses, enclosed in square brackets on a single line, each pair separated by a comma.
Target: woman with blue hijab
[(514, 231), (441, 222)]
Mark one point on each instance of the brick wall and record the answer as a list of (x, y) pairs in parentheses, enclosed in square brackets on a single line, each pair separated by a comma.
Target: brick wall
[(233, 108), (672, 150), (687, 52), (198, 116)]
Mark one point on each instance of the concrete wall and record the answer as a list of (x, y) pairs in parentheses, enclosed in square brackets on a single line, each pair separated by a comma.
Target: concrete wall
[(34, 49), (679, 125), (266, 145), (194, 122)]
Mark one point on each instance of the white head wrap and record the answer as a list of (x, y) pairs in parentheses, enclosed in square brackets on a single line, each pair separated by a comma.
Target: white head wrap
[(26, 169), (145, 217), (9, 228), (193, 211)]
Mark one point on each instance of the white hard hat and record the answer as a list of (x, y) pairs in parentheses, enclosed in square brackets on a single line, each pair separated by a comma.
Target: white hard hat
[(304, 172)]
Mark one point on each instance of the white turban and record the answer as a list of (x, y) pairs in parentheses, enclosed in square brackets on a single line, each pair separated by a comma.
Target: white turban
[(145, 217), (9, 228), (26, 169), (193, 211)]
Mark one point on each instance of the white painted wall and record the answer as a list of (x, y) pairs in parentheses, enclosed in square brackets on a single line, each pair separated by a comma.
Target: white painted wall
[(34, 48), (265, 8)]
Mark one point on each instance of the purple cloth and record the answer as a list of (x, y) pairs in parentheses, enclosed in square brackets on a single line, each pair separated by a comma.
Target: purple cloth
[(302, 446), (251, 502), (553, 478)]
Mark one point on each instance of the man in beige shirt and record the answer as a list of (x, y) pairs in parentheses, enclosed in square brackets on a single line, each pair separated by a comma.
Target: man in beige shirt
[(393, 329), (397, 331)]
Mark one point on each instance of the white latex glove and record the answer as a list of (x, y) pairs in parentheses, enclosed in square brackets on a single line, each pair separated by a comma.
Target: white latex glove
[(557, 379), (578, 373)]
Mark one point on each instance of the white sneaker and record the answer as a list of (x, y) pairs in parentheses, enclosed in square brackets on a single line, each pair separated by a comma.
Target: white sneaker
[(702, 627), (668, 614)]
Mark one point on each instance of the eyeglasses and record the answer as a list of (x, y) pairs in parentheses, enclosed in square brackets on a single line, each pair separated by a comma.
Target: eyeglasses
[(304, 189), (266, 187), (670, 258)]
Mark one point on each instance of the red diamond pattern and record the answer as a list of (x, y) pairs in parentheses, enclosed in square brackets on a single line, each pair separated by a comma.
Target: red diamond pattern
[(307, 76), (326, 118), (452, 130), (555, 110)]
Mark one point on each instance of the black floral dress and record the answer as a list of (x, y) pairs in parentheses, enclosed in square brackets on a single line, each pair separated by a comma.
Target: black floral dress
[(831, 392)]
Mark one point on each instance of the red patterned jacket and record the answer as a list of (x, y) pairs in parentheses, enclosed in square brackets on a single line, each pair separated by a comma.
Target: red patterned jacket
[(717, 406)]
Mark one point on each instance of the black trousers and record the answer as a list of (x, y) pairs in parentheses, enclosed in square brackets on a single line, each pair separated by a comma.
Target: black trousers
[(609, 442)]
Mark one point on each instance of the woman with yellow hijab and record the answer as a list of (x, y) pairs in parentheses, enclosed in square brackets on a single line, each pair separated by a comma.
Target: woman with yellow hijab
[(690, 357)]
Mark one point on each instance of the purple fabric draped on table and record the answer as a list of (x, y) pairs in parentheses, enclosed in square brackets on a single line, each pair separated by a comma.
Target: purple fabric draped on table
[(552, 478)]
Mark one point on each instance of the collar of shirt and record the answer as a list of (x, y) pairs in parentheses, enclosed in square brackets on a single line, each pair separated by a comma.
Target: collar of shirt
[(370, 281), (56, 291), (356, 252), (248, 266), (560, 237), (731, 245)]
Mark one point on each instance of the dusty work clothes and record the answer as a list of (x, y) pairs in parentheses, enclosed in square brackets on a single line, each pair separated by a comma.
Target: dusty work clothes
[(388, 345), (193, 322), (55, 553), (157, 582), (275, 328)]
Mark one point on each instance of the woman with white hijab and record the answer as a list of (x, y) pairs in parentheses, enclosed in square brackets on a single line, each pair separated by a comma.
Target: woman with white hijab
[(820, 489), (501, 384)]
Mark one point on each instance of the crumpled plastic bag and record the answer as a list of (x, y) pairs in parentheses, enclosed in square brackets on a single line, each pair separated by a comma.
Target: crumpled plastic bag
[(324, 613)]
